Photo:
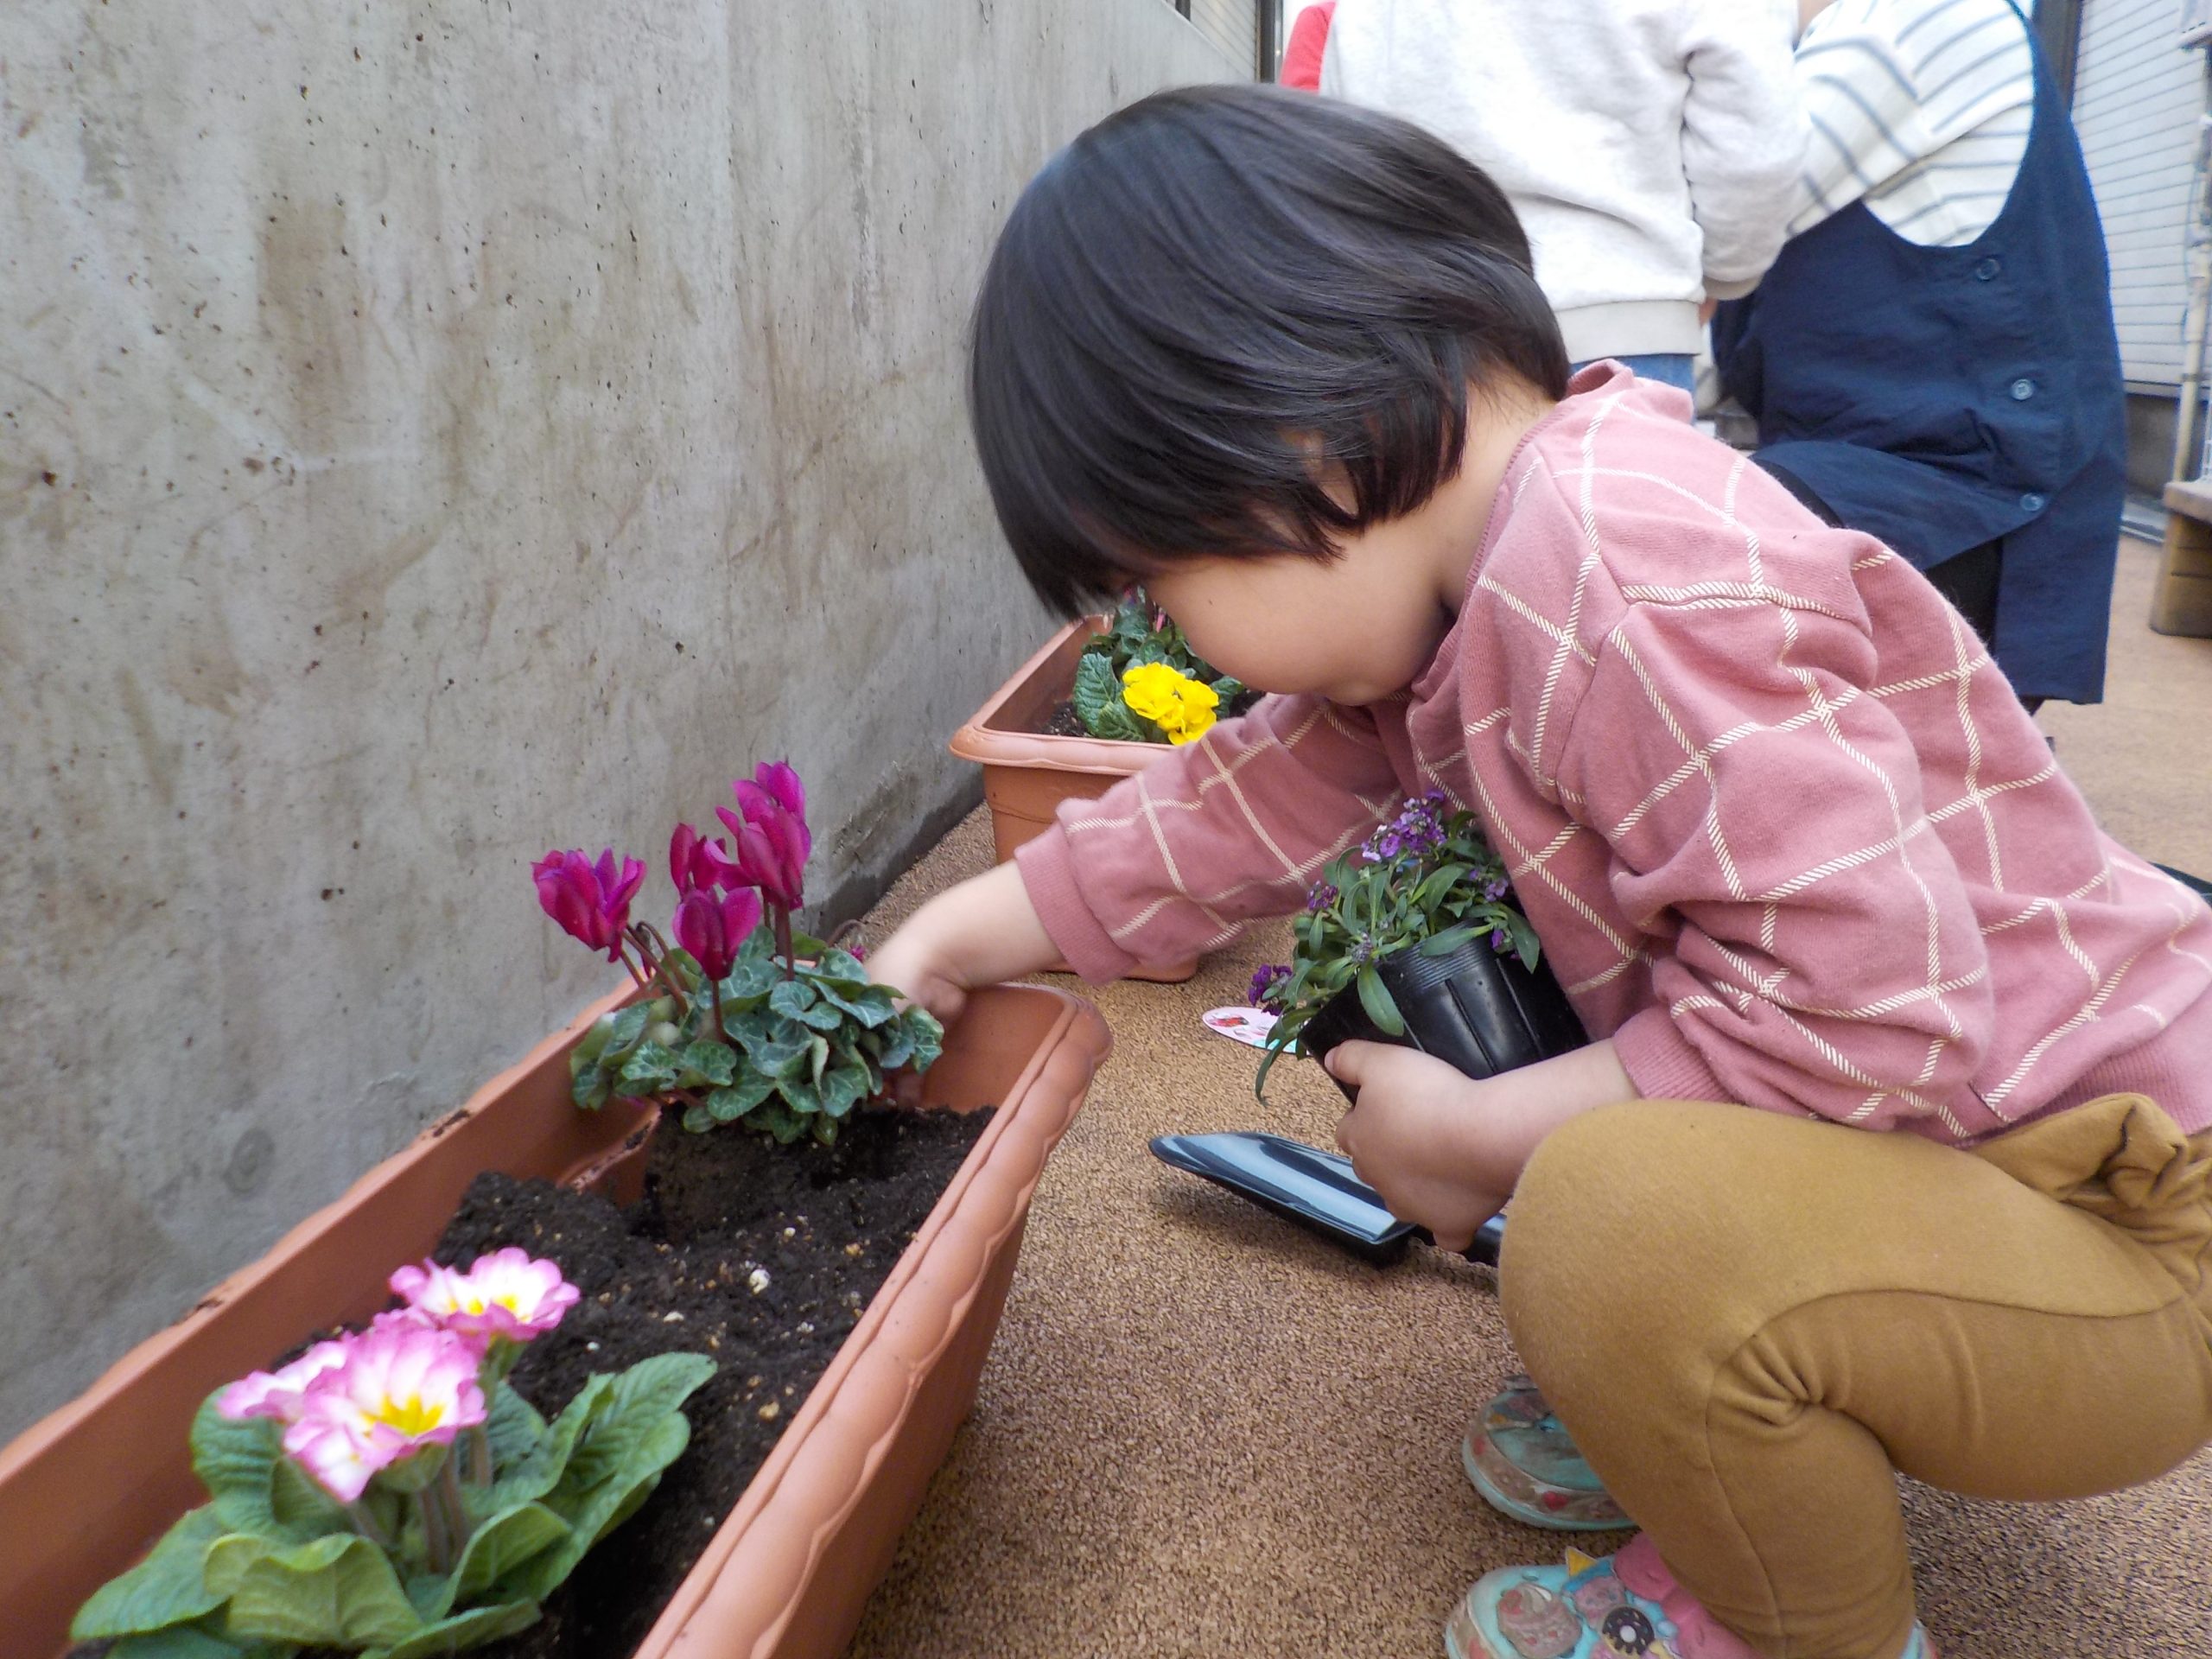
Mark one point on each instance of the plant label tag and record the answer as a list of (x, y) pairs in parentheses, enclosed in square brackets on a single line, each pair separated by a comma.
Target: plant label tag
[(1249, 1027)]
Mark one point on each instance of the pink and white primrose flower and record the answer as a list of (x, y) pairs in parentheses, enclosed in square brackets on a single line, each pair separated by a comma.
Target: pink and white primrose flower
[(278, 1394), (401, 1389), (504, 1294)]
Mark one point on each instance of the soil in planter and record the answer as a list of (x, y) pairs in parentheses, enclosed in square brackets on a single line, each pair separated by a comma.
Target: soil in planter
[(825, 1225)]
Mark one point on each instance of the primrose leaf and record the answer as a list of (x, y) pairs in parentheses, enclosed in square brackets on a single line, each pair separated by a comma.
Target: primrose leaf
[(339, 1590), (514, 1426), (235, 1459), (1096, 688), (192, 1641), (167, 1588), (638, 1433), (542, 1467), (500, 1546), (462, 1632)]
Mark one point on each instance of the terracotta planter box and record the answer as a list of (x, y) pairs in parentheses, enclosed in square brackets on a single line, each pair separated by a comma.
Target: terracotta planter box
[(1028, 773), (85, 1492)]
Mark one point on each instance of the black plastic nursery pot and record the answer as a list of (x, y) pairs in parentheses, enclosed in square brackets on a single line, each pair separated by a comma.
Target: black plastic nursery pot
[(1479, 1012)]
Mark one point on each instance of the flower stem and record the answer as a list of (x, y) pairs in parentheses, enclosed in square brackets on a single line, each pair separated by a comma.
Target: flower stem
[(364, 1523), (784, 940), (459, 1528), (437, 1538), (479, 1457), (717, 986), (642, 981)]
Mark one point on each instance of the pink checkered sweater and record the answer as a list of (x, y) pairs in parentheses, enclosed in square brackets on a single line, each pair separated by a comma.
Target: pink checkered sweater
[(1786, 834)]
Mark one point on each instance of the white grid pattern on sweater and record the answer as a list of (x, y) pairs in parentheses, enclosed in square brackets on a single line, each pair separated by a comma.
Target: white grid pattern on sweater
[(1744, 982)]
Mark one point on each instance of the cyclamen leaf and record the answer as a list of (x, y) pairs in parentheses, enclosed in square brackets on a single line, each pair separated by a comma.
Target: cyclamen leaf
[(899, 1041), (338, 1591), (775, 1116), (462, 1632), (871, 1006), (781, 1056), (697, 1119), (711, 1060), (839, 966), (165, 1589), (629, 1025), (727, 1105), (843, 1087), (925, 1035), (651, 1067), (590, 1088), (796, 999), (805, 1097)]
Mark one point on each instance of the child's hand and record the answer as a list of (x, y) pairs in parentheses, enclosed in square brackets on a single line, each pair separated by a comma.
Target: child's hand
[(1445, 1151), (978, 934), (1412, 1137)]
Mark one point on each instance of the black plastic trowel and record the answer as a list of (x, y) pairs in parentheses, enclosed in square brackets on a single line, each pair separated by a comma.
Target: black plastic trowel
[(1315, 1189)]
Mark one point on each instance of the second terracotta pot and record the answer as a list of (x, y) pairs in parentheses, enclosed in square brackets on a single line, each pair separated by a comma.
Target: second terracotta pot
[(1028, 773)]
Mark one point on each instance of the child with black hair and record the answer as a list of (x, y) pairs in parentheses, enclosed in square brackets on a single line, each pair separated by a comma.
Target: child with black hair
[(1893, 1148)]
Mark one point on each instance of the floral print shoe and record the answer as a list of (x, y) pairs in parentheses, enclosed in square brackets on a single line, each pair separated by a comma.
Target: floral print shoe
[(1627, 1606)]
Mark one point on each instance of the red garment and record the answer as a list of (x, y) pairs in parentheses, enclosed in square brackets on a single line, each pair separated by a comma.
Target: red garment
[(1309, 38), (1785, 832)]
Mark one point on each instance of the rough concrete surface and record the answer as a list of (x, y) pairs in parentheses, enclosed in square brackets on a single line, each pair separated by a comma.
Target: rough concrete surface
[(431, 432), (1202, 1432)]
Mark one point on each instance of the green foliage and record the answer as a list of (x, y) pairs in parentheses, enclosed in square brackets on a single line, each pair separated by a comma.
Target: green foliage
[(800, 1046), (259, 1571), (1426, 880), (1138, 634)]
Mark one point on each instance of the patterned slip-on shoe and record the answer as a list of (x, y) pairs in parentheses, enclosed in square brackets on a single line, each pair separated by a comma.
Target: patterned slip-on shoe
[(1626, 1607), (1524, 1462)]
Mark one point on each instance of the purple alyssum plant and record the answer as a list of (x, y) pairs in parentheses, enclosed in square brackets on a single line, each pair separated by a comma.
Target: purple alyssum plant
[(1424, 880)]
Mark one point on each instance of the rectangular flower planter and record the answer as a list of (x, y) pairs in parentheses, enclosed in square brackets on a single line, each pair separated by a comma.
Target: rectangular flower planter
[(84, 1492), (1028, 771)]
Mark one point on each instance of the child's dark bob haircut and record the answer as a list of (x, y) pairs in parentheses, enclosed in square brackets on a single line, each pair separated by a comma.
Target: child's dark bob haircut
[(1211, 302)]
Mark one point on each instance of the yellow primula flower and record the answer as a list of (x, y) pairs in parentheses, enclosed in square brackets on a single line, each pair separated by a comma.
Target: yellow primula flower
[(1181, 707)]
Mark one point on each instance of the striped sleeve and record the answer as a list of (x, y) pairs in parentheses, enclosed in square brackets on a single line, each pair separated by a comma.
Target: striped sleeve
[(1172, 862), (1921, 108)]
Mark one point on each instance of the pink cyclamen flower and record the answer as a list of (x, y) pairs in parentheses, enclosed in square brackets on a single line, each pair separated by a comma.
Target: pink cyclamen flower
[(697, 860), (277, 1394), (590, 900), (399, 1390), (774, 842), (505, 1293), (714, 928)]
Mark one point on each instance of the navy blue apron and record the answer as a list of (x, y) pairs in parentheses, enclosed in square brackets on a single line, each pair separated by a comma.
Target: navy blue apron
[(1940, 398)]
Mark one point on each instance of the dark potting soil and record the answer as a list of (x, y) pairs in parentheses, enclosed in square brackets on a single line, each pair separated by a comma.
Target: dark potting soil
[(825, 1224)]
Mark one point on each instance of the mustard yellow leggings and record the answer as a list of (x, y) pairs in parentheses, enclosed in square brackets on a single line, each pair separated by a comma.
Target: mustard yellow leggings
[(1747, 1321)]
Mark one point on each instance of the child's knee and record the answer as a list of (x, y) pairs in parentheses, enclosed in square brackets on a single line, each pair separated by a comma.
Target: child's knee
[(1606, 1213)]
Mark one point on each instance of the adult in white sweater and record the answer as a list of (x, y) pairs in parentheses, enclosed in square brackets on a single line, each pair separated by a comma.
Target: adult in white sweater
[(1652, 148)]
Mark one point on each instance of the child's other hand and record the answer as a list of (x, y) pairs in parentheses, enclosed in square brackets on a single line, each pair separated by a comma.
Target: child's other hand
[(978, 934), (1415, 1136)]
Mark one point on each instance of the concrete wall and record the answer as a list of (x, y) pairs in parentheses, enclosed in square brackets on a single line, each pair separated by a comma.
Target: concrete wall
[(430, 433)]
